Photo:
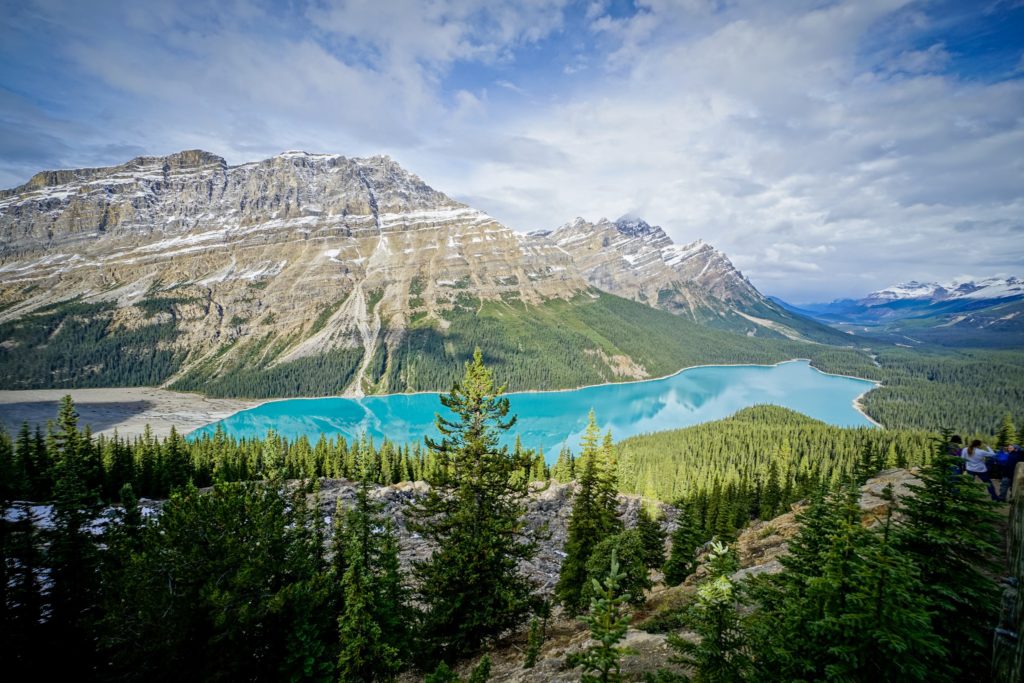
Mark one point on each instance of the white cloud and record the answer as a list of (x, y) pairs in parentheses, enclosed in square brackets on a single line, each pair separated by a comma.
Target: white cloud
[(820, 146)]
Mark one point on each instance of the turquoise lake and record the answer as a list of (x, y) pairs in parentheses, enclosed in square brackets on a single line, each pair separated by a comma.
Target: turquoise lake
[(552, 419)]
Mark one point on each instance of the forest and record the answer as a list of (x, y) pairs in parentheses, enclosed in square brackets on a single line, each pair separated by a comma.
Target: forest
[(182, 596), (555, 345)]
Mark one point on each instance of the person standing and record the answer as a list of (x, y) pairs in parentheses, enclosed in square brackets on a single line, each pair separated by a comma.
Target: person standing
[(974, 458), (1006, 462)]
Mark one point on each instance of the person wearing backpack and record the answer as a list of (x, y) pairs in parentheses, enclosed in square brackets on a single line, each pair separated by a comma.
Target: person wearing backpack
[(975, 462), (1006, 462)]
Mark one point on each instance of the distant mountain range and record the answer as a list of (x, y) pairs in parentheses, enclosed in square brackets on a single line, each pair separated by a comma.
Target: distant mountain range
[(316, 273), (988, 312)]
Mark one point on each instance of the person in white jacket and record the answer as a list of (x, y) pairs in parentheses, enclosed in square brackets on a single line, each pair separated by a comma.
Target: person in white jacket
[(974, 457)]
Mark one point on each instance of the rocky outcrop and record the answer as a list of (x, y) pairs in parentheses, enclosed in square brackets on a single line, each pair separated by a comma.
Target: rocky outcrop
[(548, 509)]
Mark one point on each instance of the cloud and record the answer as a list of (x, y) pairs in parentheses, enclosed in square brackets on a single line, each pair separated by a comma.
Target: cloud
[(829, 149)]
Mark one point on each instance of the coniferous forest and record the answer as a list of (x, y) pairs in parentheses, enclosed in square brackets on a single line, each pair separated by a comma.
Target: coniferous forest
[(184, 594)]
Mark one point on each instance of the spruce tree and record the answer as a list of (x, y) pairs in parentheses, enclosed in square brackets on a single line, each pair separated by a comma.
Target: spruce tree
[(72, 555), (593, 519), (534, 641), (789, 603), (608, 623), (564, 470), (771, 496), (608, 484), (471, 588), (884, 632), (628, 548), (372, 625), (686, 540), (949, 531), (1007, 432), (721, 653), (652, 536)]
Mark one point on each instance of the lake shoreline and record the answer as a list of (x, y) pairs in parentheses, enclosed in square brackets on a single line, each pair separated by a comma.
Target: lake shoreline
[(118, 408)]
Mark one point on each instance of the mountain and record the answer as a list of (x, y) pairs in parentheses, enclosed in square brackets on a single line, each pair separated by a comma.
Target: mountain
[(638, 261), (986, 313), (312, 274)]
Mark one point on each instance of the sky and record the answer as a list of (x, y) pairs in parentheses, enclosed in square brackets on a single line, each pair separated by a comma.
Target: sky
[(829, 148)]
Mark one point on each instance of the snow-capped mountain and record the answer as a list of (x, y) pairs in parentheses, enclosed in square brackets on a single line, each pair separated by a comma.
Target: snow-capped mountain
[(218, 270), (635, 260), (308, 253), (964, 312), (993, 289)]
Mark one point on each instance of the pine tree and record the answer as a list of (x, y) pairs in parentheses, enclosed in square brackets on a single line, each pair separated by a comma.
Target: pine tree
[(590, 522), (481, 673), (608, 485), (608, 623), (474, 513), (1007, 432), (564, 470), (534, 642), (771, 497), (372, 624), (782, 627), (884, 618), (686, 540), (628, 548), (652, 536), (721, 654), (949, 531), (176, 467), (72, 555)]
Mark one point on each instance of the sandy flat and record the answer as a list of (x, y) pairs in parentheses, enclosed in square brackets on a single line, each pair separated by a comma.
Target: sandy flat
[(128, 410)]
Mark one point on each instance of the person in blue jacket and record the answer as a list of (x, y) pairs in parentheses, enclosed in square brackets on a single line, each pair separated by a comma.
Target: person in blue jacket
[(1005, 462)]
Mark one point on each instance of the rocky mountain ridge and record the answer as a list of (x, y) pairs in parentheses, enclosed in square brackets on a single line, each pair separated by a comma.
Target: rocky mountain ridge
[(219, 269), (986, 312), (635, 260), (992, 289)]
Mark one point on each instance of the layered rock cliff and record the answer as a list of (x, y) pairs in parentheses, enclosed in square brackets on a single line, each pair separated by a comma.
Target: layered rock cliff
[(638, 261), (307, 253), (184, 270)]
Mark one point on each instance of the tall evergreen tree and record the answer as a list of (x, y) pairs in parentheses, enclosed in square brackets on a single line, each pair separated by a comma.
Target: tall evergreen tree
[(471, 587), (949, 531), (590, 522), (372, 625), (608, 622), (1007, 432), (884, 632), (686, 540), (721, 654), (652, 536), (790, 603), (72, 555)]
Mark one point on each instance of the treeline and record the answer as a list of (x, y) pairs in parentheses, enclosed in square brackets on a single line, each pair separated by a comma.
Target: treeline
[(911, 599), (555, 345), (155, 467), (249, 582), (77, 344), (756, 463)]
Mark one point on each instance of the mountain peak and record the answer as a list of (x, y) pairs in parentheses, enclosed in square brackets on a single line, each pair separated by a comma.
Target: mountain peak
[(633, 225)]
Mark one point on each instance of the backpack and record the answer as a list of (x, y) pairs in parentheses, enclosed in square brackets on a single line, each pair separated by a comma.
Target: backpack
[(1001, 462)]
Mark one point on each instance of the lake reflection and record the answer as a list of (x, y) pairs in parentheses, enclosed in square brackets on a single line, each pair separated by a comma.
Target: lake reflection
[(552, 419)]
